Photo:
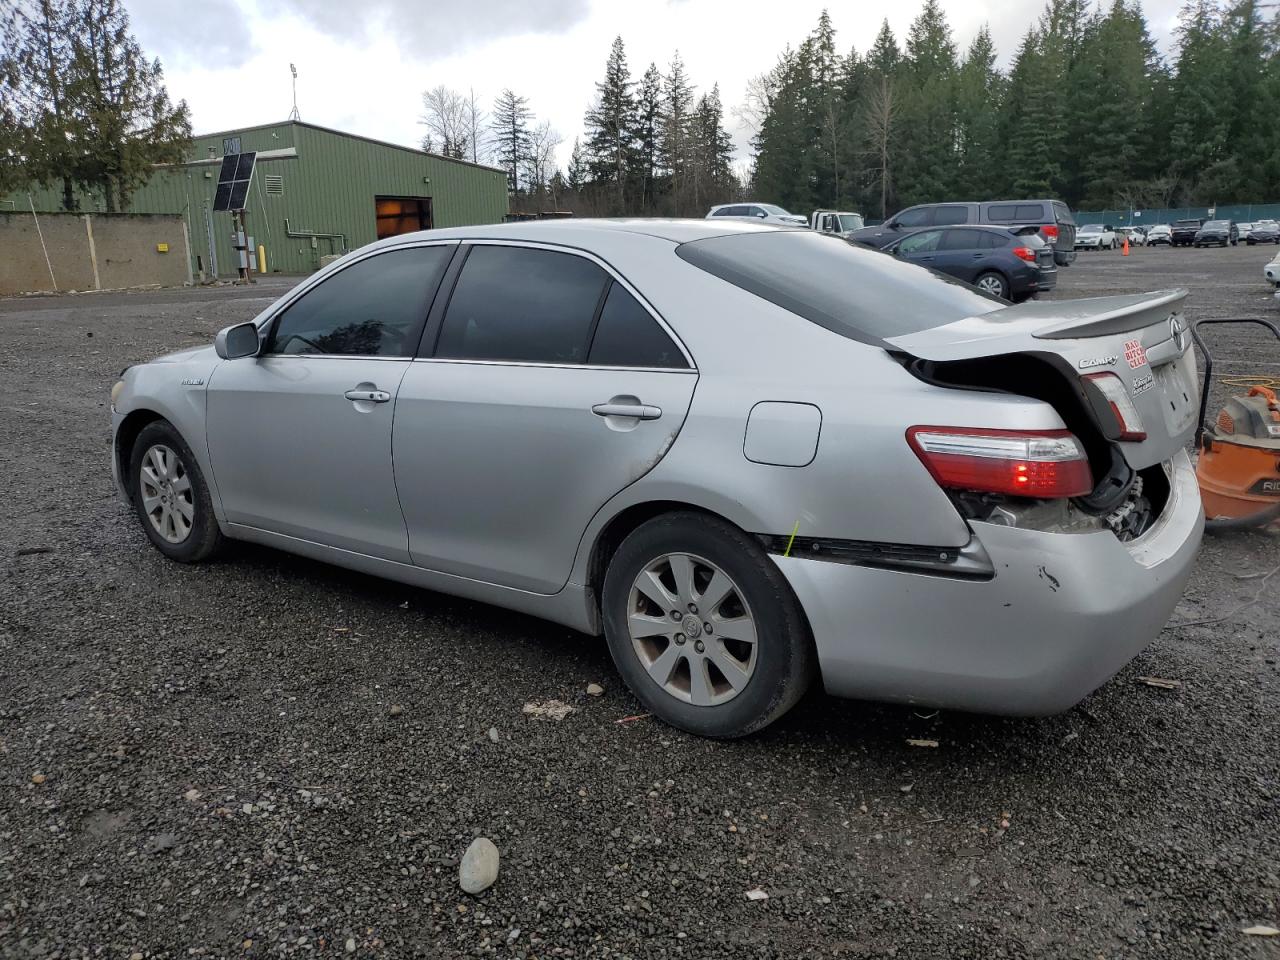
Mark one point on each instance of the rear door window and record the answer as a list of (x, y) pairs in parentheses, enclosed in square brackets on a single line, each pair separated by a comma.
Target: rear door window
[(522, 304), (374, 308), (945, 215), (628, 336), (1029, 212), (964, 239)]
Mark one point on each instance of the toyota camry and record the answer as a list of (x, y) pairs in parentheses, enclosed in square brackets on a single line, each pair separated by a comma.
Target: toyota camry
[(751, 457)]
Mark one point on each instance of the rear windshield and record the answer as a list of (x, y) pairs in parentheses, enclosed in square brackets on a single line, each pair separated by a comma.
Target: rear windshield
[(1187, 223), (774, 209), (859, 293), (1092, 228)]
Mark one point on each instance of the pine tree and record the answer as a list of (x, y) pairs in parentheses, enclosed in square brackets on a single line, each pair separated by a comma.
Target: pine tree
[(979, 95), (882, 110), (611, 128), (1027, 124), (511, 118), (927, 142), (648, 129), (1199, 137), (128, 122), (711, 164), (577, 168), (677, 109)]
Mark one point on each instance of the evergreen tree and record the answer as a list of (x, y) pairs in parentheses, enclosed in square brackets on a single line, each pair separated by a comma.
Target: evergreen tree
[(511, 118), (40, 93), (712, 152), (882, 109), (677, 110), (928, 134), (611, 128), (1027, 124), (577, 168), (1199, 138), (127, 121), (648, 129), (979, 96)]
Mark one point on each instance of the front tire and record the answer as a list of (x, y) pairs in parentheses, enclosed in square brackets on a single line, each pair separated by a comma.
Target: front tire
[(704, 628), (170, 495)]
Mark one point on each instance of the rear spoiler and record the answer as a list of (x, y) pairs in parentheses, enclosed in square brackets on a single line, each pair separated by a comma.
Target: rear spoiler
[(1100, 316)]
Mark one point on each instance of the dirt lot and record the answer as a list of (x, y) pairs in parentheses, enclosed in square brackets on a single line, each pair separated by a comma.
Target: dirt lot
[(221, 773)]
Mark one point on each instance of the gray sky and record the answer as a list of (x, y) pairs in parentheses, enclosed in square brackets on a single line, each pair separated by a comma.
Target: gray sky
[(363, 65)]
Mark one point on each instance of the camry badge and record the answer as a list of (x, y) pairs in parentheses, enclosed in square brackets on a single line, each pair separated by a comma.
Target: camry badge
[(1088, 362), (193, 382)]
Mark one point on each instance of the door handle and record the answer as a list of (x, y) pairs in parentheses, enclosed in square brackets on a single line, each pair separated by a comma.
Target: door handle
[(640, 411), (371, 396)]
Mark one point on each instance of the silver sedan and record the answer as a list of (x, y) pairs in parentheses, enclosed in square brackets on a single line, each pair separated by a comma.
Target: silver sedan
[(749, 456)]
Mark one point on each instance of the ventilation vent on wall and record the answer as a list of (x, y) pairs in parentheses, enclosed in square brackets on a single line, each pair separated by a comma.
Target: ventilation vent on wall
[(275, 185)]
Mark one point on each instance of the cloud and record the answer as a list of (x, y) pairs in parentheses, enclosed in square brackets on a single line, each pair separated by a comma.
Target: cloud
[(426, 32), (210, 32)]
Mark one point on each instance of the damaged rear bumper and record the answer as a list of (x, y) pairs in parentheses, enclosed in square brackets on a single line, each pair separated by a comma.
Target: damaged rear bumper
[(1063, 613)]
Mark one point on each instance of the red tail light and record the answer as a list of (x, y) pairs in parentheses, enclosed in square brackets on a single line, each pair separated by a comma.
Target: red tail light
[(1023, 463), (1117, 394), (1050, 231), (1025, 253)]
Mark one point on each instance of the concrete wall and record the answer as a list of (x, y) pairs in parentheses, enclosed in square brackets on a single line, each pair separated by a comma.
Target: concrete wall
[(91, 252)]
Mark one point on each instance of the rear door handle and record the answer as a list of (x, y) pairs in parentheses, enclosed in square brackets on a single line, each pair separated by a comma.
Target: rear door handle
[(639, 411), (372, 396)]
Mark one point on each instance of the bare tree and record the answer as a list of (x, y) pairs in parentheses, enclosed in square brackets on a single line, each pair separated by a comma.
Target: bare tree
[(754, 107), (477, 128), (882, 111), (445, 115), (543, 141)]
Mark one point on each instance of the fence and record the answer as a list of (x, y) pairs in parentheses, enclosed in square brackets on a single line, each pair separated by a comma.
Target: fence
[(67, 251), (1147, 217)]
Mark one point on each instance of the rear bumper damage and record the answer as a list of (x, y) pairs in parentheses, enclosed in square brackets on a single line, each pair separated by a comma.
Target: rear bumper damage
[(1063, 613)]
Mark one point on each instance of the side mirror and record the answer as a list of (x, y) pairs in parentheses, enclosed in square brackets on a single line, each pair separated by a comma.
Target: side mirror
[(238, 341)]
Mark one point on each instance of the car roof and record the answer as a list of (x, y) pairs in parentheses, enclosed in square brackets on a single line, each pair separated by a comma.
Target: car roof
[(573, 231)]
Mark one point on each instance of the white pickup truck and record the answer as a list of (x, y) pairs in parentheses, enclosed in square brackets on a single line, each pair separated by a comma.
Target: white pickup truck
[(841, 223)]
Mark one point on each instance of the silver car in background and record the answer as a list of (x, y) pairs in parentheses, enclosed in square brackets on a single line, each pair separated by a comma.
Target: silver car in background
[(749, 456), (760, 212)]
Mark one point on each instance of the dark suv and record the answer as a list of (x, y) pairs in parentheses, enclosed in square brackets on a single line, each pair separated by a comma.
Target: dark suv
[(997, 261), (1184, 232), (1217, 231), (1051, 218)]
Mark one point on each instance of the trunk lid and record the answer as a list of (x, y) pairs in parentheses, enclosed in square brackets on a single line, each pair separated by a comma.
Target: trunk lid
[(1141, 338)]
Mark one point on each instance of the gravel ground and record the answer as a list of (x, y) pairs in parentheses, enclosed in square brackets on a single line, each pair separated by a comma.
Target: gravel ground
[(265, 755)]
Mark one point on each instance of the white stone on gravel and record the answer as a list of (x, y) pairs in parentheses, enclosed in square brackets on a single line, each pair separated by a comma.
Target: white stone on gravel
[(479, 867), (595, 690)]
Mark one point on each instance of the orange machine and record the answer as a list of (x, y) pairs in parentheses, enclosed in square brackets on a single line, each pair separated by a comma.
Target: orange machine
[(1239, 463)]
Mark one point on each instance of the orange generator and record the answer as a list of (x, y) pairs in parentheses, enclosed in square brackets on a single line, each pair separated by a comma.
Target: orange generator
[(1239, 455)]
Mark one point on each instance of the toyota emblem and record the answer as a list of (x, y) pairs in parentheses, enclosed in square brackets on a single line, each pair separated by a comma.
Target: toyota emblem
[(1178, 330)]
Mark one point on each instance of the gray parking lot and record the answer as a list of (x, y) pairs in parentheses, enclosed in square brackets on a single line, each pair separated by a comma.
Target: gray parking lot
[(265, 755)]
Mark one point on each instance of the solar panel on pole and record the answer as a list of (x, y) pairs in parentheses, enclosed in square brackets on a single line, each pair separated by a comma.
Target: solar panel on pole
[(233, 181)]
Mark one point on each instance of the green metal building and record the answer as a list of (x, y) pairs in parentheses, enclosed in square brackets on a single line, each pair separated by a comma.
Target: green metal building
[(316, 192)]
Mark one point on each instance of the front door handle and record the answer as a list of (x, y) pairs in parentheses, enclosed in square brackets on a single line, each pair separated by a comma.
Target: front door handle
[(638, 411), (370, 396)]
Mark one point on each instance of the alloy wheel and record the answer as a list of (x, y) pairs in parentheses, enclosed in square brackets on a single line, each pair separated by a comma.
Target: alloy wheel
[(165, 489), (692, 630), (991, 284)]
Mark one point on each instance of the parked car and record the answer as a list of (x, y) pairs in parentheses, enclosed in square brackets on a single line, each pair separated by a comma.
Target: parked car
[(992, 517), (840, 223), (1184, 232), (1052, 218), (1096, 236), (1272, 271), (1264, 231), (993, 259), (1160, 233), (1243, 229), (1216, 232), (1134, 234), (763, 212)]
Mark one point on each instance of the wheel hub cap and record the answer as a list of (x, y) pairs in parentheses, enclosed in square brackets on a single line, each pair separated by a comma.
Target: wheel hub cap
[(166, 493), (705, 657)]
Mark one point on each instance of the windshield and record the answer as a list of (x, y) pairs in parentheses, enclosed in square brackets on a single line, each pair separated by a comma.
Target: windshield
[(1091, 228), (775, 210), (1216, 225), (858, 293), (850, 221)]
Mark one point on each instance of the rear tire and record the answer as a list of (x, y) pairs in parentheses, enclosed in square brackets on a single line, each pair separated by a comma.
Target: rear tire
[(993, 283), (669, 581), (170, 495)]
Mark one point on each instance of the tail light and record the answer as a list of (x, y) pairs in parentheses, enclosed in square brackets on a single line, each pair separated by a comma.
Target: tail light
[(1117, 395), (1042, 464), (1025, 253), (1050, 231)]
